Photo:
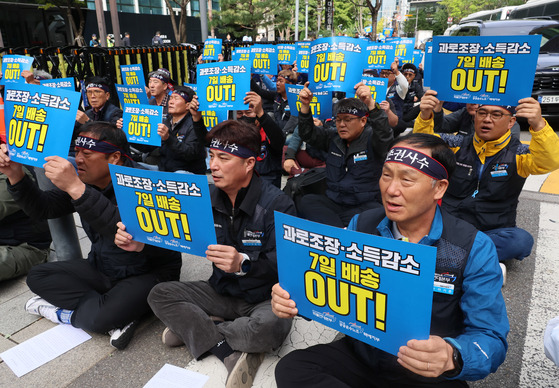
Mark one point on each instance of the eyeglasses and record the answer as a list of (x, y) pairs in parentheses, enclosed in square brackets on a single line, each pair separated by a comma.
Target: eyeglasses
[(94, 92), (495, 115), (346, 120)]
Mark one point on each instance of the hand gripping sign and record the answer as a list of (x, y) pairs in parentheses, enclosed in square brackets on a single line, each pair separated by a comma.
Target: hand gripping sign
[(378, 87), (165, 209), (140, 123), (133, 75), (375, 289), (321, 104), (496, 70), (211, 117), (336, 63), (39, 122), (12, 66), (212, 49), (223, 85)]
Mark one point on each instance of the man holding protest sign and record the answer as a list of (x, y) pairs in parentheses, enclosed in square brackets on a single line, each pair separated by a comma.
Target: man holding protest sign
[(355, 149), (469, 324), (159, 85), (182, 134), (108, 291), (230, 315), (492, 167)]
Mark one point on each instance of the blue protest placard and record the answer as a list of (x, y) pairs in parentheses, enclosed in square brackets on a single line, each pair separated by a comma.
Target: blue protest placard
[(403, 49), (133, 75), (303, 60), (264, 59), (140, 123), (214, 117), (131, 94), (380, 55), (427, 64), (337, 63), (212, 49), (287, 54), (241, 54), (377, 290), (387, 32), (378, 87), (39, 122), (12, 66), (496, 70), (223, 85), (165, 209), (63, 83), (321, 103), (417, 57), (211, 117)]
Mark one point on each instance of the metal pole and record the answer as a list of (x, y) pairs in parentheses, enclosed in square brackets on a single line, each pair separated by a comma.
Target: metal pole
[(101, 23), (296, 19), (114, 22), (204, 19), (306, 19)]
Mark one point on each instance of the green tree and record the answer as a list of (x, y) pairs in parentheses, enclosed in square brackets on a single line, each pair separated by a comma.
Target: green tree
[(68, 6)]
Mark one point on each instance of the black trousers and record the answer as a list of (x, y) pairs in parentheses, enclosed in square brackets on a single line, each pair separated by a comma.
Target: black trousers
[(336, 365), (320, 208), (99, 304)]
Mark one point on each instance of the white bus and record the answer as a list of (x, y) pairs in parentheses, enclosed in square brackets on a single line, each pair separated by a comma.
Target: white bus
[(493, 14), (547, 9)]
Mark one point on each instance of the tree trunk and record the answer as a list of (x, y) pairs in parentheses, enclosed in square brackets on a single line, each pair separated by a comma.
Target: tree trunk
[(182, 24), (173, 21), (374, 12)]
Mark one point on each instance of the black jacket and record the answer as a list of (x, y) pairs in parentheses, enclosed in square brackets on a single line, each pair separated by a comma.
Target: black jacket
[(352, 173), (184, 148), (249, 227), (99, 215)]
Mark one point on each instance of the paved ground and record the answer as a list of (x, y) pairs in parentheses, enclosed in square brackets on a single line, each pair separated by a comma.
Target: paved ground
[(530, 293)]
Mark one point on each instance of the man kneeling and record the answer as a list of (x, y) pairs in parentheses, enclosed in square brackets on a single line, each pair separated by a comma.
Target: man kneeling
[(468, 328)]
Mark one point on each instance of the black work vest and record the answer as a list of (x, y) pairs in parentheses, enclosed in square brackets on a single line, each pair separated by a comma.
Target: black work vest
[(447, 318), (498, 188)]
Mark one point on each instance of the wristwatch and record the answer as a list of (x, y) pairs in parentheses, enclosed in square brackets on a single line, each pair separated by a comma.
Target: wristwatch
[(456, 359), (245, 265)]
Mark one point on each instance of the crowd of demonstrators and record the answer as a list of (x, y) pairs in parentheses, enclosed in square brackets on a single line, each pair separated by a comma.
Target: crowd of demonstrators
[(107, 293), (468, 328), (356, 147), (492, 167), (230, 316)]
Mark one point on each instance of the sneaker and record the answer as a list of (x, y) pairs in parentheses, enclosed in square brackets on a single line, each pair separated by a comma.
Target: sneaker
[(120, 338), (39, 306), (171, 339), (242, 368), (504, 270)]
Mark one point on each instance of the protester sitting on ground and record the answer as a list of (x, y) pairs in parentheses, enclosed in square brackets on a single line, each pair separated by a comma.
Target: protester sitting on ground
[(356, 149), (492, 167), (159, 87), (300, 156), (469, 327), (281, 110), (397, 85), (182, 134), (268, 163), (462, 121), (230, 315), (100, 108), (24, 242), (108, 291)]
